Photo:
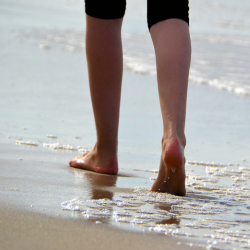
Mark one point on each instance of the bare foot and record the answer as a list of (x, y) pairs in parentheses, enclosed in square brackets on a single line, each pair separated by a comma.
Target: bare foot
[(171, 177), (100, 163)]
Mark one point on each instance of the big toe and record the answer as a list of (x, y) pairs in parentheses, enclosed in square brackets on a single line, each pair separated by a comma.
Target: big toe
[(72, 162)]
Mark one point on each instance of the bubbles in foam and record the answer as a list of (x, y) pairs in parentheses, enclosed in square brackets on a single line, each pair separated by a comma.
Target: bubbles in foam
[(153, 171), (57, 146), (51, 136), (44, 46), (29, 143), (134, 65), (216, 205), (124, 214)]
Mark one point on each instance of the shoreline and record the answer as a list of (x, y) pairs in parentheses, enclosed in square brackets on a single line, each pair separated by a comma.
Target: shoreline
[(37, 191), (26, 230)]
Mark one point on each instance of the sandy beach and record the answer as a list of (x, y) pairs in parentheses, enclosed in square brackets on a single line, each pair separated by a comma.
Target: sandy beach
[(47, 119), (31, 217), (22, 230)]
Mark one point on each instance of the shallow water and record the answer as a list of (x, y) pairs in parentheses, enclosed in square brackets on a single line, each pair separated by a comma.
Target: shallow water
[(216, 208), (220, 61), (219, 32), (214, 214)]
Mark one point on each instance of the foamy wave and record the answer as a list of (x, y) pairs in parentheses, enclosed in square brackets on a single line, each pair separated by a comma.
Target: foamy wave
[(138, 66), (57, 146), (230, 86), (208, 60), (29, 143)]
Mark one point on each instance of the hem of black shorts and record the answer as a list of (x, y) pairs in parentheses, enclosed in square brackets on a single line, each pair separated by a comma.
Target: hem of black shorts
[(105, 18), (163, 19)]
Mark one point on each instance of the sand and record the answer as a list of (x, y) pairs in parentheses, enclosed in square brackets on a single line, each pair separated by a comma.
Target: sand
[(31, 217), (23, 230), (31, 190)]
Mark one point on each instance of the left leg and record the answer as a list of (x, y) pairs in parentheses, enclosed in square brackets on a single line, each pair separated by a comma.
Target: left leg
[(105, 67)]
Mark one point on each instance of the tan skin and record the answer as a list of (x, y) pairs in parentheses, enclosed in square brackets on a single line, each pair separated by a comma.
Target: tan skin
[(172, 45)]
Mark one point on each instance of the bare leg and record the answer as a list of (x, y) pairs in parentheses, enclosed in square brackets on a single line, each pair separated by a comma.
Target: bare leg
[(173, 53), (105, 66)]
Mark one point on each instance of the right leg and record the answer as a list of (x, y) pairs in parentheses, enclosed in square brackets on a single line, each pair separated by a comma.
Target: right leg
[(105, 66), (173, 52)]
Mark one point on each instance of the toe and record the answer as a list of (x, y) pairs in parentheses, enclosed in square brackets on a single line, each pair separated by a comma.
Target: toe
[(72, 162)]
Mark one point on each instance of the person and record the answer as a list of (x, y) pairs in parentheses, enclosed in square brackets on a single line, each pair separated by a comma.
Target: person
[(168, 24)]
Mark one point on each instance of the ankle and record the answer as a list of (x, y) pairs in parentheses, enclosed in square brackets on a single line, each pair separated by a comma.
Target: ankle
[(106, 147), (170, 138)]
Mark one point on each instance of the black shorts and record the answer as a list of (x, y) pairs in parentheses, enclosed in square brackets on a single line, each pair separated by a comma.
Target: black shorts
[(157, 10)]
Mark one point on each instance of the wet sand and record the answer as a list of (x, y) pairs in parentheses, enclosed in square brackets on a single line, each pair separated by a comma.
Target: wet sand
[(31, 190), (40, 192), (23, 230)]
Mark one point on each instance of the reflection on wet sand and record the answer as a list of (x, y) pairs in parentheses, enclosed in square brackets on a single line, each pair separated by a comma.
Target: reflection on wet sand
[(100, 188), (170, 221), (99, 184), (164, 207)]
